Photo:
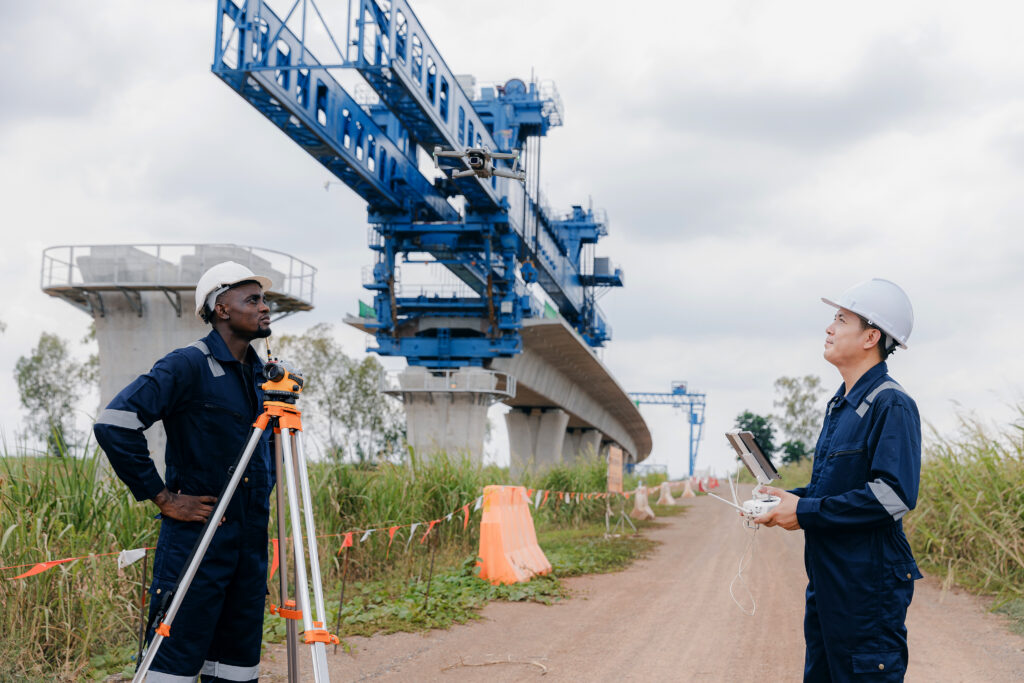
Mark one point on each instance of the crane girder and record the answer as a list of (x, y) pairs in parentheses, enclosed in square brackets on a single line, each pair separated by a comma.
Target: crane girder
[(397, 58), (268, 65)]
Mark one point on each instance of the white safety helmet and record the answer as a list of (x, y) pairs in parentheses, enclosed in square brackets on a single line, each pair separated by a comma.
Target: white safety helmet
[(883, 304), (219, 279)]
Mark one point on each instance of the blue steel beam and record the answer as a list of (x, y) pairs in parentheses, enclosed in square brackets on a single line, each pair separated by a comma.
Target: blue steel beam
[(268, 65)]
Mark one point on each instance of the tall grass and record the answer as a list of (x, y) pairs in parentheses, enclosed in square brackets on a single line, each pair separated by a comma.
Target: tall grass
[(83, 615), (52, 624), (969, 521)]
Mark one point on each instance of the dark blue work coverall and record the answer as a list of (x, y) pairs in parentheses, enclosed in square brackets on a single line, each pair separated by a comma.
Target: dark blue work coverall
[(208, 402), (860, 570)]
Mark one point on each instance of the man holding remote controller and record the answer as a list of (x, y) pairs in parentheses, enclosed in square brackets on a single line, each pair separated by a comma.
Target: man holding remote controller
[(867, 466)]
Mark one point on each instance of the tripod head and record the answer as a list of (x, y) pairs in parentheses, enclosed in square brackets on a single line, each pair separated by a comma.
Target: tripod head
[(284, 383)]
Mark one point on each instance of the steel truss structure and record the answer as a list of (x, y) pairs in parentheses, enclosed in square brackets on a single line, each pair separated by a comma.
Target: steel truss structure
[(494, 234)]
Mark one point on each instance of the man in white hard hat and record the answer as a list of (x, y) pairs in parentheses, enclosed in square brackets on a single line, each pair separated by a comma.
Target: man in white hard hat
[(867, 467), (208, 395)]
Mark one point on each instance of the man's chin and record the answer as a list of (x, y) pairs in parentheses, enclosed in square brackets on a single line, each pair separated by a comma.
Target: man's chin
[(262, 333)]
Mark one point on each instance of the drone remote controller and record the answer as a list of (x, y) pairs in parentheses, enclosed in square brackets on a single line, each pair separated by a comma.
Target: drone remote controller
[(755, 507), (758, 465)]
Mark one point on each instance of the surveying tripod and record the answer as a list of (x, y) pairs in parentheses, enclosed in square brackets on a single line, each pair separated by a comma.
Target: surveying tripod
[(281, 390)]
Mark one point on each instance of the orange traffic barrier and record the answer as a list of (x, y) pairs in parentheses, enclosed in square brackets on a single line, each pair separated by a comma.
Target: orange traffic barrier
[(508, 542)]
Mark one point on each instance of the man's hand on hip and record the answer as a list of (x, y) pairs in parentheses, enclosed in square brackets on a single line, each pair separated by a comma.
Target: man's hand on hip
[(783, 514), (183, 507)]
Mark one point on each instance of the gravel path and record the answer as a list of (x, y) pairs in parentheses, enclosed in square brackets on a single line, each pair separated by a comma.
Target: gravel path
[(670, 617)]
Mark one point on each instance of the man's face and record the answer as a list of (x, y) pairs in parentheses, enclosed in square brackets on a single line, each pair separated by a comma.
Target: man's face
[(247, 312), (846, 339)]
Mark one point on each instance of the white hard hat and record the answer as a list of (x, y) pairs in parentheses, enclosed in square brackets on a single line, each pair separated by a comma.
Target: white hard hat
[(220, 277), (883, 304)]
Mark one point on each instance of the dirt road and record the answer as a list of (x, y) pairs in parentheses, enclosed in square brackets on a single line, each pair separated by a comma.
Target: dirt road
[(671, 618)]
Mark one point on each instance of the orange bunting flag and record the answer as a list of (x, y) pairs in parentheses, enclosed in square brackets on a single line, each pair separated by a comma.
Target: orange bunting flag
[(545, 498), (347, 543), (465, 516), (274, 561), (391, 539), (42, 567), (429, 529)]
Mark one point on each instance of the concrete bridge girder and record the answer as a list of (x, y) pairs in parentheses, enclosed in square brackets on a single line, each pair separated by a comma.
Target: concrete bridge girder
[(558, 370)]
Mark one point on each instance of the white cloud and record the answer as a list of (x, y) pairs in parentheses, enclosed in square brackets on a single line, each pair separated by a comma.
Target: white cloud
[(752, 157)]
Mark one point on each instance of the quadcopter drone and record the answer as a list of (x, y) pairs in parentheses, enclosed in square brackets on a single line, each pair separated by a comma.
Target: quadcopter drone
[(480, 163)]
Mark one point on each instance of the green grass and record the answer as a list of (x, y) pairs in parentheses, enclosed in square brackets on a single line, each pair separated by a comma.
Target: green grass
[(80, 619), (968, 527)]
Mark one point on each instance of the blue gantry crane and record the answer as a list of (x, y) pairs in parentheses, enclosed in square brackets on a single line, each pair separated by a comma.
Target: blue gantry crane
[(494, 233), (690, 403)]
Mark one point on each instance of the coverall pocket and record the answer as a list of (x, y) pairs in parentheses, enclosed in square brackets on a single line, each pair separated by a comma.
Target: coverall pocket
[(883, 662), (842, 469)]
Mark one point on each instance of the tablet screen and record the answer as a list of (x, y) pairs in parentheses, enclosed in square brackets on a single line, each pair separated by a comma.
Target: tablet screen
[(745, 445)]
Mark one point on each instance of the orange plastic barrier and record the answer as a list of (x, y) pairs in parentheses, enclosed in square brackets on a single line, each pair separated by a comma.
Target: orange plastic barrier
[(508, 542)]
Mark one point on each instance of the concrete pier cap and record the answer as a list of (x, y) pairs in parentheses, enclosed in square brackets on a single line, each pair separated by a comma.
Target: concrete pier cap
[(141, 298), (446, 410)]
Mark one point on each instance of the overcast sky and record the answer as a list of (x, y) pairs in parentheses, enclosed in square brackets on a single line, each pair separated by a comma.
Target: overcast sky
[(752, 157)]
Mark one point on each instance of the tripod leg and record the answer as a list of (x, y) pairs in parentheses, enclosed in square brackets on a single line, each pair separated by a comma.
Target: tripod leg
[(291, 626), (320, 674), (319, 649), (198, 552)]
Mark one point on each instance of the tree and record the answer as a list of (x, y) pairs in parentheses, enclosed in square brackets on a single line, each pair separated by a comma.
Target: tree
[(344, 404), (761, 427), (794, 451), (373, 422), (50, 383), (800, 420)]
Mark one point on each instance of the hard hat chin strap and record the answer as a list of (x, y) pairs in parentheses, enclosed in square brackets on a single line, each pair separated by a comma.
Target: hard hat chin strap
[(890, 343)]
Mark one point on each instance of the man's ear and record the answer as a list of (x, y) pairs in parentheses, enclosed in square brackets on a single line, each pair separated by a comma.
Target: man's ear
[(873, 339)]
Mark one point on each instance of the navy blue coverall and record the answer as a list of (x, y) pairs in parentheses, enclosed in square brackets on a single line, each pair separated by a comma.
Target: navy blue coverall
[(860, 570), (208, 402)]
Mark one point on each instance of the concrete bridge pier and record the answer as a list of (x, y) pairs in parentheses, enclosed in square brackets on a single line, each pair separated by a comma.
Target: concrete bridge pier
[(580, 443), (536, 437), (446, 410)]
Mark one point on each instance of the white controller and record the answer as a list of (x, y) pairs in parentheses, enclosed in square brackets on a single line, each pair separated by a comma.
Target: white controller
[(753, 507), (759, 506)]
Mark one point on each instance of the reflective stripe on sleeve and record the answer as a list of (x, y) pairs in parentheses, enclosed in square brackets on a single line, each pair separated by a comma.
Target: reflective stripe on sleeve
[(230, 672), (119, 418), (215, 366), (892, 503), (161, 677), (862, 409)]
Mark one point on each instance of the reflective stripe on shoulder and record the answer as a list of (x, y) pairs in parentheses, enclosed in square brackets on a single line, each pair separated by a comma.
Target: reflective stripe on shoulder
[(119, 418), (892, 503), (215, 366), (862, 409), (161, 677), (230, 672)]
